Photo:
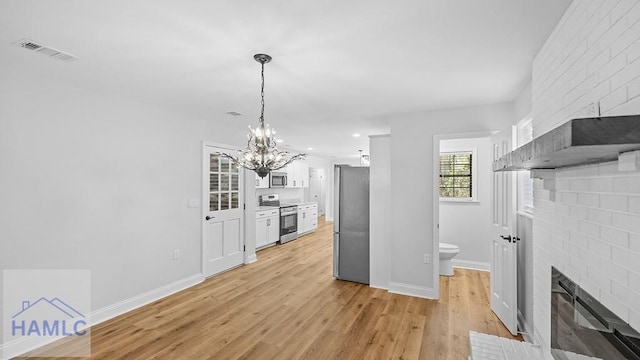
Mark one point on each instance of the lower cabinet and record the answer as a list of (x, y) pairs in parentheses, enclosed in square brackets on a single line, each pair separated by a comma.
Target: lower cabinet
[(307, 218), (267, 227)]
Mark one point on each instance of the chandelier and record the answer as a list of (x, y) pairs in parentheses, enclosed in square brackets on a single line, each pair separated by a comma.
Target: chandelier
[(261, 154)]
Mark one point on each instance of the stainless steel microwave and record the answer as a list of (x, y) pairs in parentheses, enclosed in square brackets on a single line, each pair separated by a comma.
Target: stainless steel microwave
[(278, 179)]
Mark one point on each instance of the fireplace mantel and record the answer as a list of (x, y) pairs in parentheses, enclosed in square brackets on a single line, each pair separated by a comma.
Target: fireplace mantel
[(576, 142)]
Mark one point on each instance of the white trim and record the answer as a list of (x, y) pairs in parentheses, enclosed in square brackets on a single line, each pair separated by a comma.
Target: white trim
[(435, 231), (412, 290), (251, 258), (124, 306), (459, 200), (25, 344), (378, 286), (473, 265), (379, 136)]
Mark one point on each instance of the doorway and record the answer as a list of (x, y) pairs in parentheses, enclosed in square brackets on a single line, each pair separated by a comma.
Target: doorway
[(318, 188), (222, 215), (465, 199), (449, 222)]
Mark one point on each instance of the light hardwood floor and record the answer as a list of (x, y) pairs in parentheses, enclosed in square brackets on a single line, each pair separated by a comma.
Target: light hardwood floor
[(287, 305)]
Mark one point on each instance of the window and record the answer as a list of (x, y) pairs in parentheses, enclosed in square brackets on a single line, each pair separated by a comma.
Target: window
[(456, 175), (223, 184), (524, 134)]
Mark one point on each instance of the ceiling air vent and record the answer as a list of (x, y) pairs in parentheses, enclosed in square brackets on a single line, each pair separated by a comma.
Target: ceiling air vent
[(45, 50)]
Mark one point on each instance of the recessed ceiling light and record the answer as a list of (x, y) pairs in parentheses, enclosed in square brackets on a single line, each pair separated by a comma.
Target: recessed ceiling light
[(280, 140), (356, 135), (309, 148), (233, 113)]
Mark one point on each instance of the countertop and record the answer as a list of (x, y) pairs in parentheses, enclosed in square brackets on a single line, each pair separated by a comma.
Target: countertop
[(301, 203), (263, 208)]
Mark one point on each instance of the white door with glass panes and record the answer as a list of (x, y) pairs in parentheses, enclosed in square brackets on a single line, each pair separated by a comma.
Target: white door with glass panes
[(222, 233)]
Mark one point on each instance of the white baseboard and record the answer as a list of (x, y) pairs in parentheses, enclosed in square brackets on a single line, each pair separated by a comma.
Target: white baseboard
[(26, 344), (474, 265), (251, 258), (379, 286), (412, 290), (124, 306)]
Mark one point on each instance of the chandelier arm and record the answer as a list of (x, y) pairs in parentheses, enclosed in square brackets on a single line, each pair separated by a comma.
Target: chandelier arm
[(292, 159)]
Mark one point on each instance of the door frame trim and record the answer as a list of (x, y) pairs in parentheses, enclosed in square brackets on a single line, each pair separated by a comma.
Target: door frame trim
[(204, 189), (435, 258)]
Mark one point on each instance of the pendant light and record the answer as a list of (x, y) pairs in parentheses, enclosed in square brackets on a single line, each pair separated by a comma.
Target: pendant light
[(261, 154)]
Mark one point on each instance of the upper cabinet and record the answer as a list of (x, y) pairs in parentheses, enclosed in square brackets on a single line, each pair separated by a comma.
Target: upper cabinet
[(261, 183), (297, 174)]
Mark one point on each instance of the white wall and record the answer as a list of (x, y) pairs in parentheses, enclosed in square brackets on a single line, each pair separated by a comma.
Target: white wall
[(94, 181), (467, 224), (586, 220), (412, 187), (522, 103), (380, 235)]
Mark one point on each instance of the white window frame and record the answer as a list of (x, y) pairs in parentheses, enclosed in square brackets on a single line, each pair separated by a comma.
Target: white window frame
[(474, 173), (522, 134)]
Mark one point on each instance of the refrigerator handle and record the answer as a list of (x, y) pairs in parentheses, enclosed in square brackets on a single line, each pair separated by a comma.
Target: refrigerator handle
[(336, 255), (336, 198)]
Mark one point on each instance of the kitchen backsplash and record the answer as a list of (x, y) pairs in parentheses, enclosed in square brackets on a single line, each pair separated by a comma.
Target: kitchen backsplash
[(286, 195)]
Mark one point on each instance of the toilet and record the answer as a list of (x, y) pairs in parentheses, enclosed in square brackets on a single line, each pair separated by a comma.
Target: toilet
[(447, 253)]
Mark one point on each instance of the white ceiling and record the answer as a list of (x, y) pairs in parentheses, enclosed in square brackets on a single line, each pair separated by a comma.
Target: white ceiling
[(339, 66)]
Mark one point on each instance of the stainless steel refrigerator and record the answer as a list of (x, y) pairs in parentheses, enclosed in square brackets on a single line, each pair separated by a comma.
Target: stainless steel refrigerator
[(351, 224)]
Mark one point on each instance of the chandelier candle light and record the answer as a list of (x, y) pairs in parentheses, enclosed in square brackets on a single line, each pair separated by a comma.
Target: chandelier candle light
[(262, 154)]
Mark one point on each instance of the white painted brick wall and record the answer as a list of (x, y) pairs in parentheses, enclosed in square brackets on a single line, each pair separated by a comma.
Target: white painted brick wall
[(592, 56), (587, 218), (591, 233)]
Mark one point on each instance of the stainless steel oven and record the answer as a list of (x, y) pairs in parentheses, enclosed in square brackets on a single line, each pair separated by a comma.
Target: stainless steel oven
[(288, 223), (278, 179)]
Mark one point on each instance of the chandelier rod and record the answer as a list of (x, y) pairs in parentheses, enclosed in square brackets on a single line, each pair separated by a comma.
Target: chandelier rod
[(262, 96)]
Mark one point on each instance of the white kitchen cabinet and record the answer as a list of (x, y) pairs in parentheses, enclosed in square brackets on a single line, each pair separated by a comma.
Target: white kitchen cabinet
[(267, 227), (261, 183), (313, 218), (292, 175), (303, 174), (297, 174), (307, 218)]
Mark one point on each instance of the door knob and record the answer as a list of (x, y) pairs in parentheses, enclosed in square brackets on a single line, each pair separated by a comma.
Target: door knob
[(209, 217), (508, 237)]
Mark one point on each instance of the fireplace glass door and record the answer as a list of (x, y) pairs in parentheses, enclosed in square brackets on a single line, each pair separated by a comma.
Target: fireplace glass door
[(582, 325)]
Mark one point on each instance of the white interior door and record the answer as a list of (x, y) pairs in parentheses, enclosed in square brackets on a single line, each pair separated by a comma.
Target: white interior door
[(317, 188), (504, 287), (223, 223)]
